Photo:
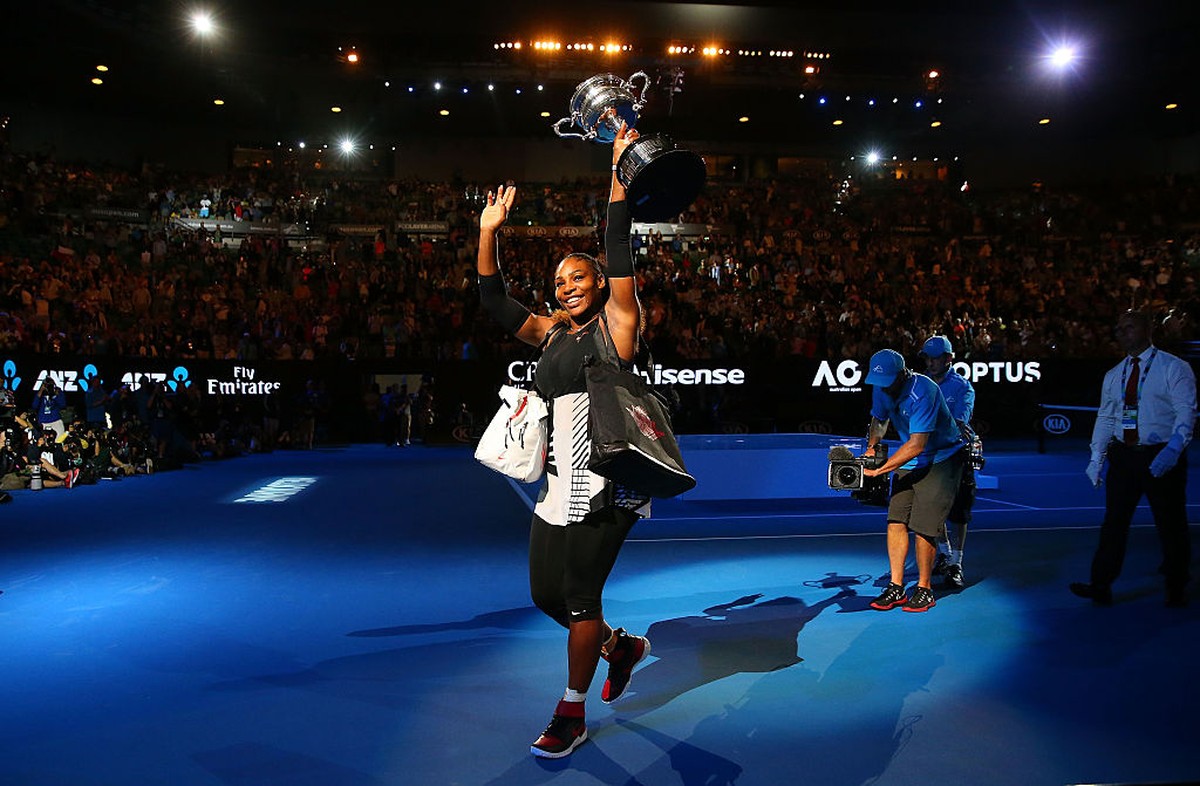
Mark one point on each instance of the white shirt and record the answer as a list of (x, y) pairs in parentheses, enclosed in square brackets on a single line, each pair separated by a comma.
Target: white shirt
[(1166, 402)]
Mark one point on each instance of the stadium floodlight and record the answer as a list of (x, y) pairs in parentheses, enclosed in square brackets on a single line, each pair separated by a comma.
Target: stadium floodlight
[(1063, 56), (873, 157), (347, 146), (202, 23)]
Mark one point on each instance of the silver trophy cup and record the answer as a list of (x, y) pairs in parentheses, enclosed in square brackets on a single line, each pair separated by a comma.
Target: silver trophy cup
[(601, 104), (660, 179)]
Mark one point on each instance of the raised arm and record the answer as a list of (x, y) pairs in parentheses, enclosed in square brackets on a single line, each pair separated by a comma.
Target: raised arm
[(623, 309), (493, 294)]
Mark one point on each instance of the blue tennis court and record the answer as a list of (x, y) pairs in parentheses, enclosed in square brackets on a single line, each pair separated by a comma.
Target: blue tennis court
[(360, 616)]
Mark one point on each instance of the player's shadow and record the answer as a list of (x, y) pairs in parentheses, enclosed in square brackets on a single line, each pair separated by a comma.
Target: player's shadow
[(746, 635)]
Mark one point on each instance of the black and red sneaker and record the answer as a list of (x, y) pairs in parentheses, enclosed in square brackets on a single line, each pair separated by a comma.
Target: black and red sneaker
[(627, 651), (890, 598), (922, 600), (566, 732)]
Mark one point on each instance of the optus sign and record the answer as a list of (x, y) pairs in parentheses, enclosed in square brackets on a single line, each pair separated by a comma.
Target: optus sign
[(847, 376)]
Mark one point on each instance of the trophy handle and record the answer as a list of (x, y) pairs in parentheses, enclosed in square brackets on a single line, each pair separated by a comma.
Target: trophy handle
[(641, 99), (571, 135)]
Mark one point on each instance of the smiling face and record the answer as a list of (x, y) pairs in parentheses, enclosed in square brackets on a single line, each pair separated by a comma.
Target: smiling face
[(579, 288)]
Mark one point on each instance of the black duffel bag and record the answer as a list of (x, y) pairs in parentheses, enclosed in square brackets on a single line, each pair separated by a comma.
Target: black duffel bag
[(632, 440)]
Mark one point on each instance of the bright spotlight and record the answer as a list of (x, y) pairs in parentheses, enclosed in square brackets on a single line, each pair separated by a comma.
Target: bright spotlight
[(873, 157), (1063, 56), (202, 23), (347, 146)]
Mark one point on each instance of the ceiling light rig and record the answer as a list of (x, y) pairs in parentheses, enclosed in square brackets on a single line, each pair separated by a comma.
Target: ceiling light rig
[(587, 46)]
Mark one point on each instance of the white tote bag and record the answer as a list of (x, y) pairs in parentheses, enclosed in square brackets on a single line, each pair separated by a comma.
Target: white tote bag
[(515, 440)]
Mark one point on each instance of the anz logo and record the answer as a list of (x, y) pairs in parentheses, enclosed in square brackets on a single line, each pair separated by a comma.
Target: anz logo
[(133, 379), (1056, 424), (11, 380), (67, 380), (179, 379), (90, 374)]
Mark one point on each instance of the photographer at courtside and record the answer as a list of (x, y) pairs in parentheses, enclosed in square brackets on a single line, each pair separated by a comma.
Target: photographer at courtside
[(928, 466)]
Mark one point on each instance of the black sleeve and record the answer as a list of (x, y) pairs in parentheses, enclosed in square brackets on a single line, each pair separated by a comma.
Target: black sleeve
[(616, 240), (493, 295)]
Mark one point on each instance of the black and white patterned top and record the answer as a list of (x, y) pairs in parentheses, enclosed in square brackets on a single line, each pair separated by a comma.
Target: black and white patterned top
[(571, 490)]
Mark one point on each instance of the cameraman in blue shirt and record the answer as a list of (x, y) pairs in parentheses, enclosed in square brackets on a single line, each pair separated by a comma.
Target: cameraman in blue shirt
[(928, 466), (960, 399)]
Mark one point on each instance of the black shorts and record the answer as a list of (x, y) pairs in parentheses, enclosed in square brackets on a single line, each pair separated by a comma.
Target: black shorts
[(568, 566), (964, 501), (922, 498)]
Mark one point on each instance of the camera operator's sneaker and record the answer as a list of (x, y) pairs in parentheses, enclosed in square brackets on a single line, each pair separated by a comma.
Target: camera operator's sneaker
[(954, 577), (627, 651), (921, 600), (940, 563), (890, 598), (566, 732)]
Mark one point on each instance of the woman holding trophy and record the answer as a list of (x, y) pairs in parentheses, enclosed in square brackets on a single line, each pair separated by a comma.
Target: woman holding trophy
[(581, 519)]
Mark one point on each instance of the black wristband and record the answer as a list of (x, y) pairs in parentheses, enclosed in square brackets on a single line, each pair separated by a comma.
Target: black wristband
[(616, 240)]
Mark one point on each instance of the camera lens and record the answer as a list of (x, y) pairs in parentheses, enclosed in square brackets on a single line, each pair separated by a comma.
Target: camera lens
[(847, 475)]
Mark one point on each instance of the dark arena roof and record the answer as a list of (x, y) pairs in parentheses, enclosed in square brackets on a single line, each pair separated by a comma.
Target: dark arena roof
[(804, 78)]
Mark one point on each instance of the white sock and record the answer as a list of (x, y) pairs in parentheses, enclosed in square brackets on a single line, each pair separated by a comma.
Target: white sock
[(574, 696), (956, 557)]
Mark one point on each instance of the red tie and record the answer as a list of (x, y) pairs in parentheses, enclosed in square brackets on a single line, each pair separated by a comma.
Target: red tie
[(1131, 399)]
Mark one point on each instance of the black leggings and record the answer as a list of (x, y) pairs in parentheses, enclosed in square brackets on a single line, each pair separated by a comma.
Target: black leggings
[(569, 565)]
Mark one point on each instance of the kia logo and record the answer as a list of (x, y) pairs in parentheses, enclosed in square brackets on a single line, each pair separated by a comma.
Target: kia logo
[(1056, 424), (815, 427)]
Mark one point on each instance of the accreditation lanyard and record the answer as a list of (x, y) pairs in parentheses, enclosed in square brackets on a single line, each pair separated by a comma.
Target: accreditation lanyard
[(1129, 415)]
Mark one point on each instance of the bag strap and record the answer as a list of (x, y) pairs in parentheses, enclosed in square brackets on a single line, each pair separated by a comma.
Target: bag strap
[(540, 348), (643, 348)]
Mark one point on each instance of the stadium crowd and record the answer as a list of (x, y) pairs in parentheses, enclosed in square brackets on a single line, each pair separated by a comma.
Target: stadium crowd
[(106, 263), (789, 266)]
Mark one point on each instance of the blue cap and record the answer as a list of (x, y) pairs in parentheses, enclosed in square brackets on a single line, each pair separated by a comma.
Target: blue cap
[(937, 346), (885, 365)]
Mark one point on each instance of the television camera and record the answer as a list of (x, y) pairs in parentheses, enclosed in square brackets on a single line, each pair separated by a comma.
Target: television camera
[(846, 474)]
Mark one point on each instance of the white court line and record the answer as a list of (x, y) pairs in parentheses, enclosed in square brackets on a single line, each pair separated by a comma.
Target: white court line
[(1016, 508), (809, 535), (520, 493), (880, 513), (1007, 475), (1006, 502)]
